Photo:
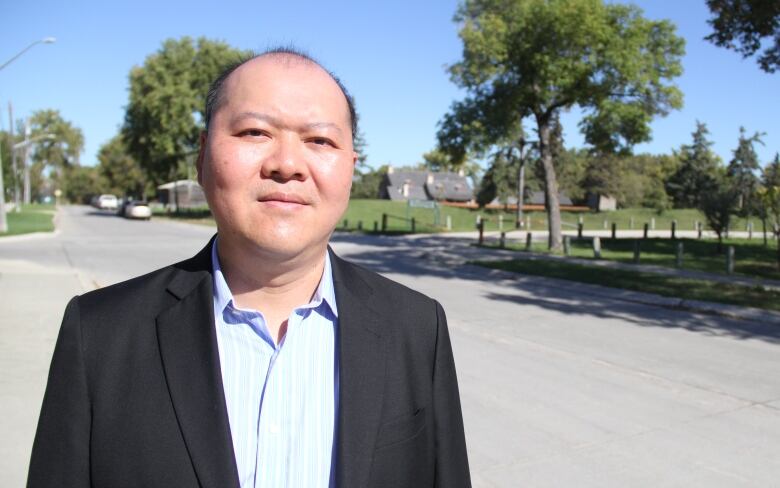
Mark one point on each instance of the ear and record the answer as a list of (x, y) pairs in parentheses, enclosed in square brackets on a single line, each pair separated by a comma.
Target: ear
[(201, 155)]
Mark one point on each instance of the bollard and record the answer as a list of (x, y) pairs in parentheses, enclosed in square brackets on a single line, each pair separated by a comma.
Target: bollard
[(579, 220), (652, 223), (502, 240), (637, 250), (414, 227), (528, 241), (346, 224), (567, 245), (376, 226), (500, 222), (699, 229), (384, 222), (678, 255), (730, 260), (449, 223), (647, 226), (614, 230), (481, 227), (579, 230), (674, 229), (597, 247), (360, 225)]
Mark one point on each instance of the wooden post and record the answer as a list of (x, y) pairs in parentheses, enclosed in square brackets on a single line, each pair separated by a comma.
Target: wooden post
[(528, 241), (481, 226), (597, 247), (699, 227), (376, 226), (637, 250), (730, 259), (502, 240), (567, 245), (674, 229), (346, 224), (414, 227), (750, 230), (678, 254), (614, 230), (579, 230), (360, 225), (449, 222), (647, 227), (384, 222)]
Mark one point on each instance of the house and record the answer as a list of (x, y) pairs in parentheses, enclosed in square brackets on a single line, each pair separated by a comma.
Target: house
[(601, 203), (181, 194), (402, 185)]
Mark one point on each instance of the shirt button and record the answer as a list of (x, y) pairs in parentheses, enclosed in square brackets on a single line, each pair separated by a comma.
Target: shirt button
[(274, 429)]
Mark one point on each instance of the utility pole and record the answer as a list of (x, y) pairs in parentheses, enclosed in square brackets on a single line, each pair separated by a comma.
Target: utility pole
[(3, 220), (14, 169), (26, 162)]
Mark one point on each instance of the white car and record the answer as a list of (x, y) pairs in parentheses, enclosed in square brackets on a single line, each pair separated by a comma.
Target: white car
[(107, 202), (138, 210)]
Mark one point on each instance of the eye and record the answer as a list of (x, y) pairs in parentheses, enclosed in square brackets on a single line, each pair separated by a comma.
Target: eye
[(251, 133), (322, 141)]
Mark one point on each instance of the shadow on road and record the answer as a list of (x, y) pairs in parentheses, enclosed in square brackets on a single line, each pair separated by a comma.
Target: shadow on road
[(445, 257)]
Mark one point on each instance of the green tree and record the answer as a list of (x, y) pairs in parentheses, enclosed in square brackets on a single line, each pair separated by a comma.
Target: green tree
[(746, 26), (58, 153), (539, 57), (119, 172), (80, 183), (771, 173), (742, 170), (718, 203), (697, 162), (165, 113)]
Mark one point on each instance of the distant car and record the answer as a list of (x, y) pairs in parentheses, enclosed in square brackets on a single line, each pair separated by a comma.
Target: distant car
[(136, 209), (107, 202)]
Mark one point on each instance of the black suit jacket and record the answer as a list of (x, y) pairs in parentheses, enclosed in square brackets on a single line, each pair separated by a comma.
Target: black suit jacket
[(135, 396)]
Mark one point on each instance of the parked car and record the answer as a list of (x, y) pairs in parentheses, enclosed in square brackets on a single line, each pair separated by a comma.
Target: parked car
[(137, 209), (107, 202)]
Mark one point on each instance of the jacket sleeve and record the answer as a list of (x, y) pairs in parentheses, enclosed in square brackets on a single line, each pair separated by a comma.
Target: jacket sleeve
[(60, 454), (452, 465)]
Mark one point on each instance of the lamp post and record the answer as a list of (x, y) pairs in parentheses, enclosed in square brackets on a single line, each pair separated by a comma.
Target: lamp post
[(3, 220)]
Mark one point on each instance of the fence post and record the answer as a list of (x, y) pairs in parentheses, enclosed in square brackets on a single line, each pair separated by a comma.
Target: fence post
[(614, 230), (674, 229), (637, 250), (631, 223), (414, 227), (360, 225), (678, 255), (579, 230), (597, 247), (527, 222), (647, 227), (652, 223), (567, 245), (699, 228), (730, 260), (449, 222), (481, 226), (376, 226), (750, 230), (500, 222), (384, 222), (528, 241), (346, 224), (502, 240)]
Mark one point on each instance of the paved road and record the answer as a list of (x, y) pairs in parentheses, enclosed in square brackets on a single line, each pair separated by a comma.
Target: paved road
[(562, 384)]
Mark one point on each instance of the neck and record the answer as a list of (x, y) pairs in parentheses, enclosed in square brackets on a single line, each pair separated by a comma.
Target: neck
[(272, 284)]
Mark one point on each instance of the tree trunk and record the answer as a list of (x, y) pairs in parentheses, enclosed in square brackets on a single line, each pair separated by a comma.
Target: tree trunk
[(555, 239)]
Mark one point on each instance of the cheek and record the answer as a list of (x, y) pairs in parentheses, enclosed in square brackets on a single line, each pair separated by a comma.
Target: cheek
[(334, 176), (233, 165)]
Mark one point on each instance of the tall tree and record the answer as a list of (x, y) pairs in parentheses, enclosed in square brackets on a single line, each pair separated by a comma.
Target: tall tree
[(58, 152), (718, 203), (742, 170), (747, 25), (539, 57), (165, 112), (120, 173), (697, 162)]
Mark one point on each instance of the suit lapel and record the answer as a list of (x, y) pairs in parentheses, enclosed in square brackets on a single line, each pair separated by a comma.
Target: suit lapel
[(361, 376), (188, 346)]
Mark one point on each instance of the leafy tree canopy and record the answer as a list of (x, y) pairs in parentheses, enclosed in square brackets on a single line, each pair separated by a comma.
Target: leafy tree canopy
[(64, 147), (742, 170), (165, 113), (120, 173), (746, 26), (697, 162)]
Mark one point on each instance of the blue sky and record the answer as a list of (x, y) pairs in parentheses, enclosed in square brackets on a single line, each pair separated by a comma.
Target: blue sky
[(391, 55)]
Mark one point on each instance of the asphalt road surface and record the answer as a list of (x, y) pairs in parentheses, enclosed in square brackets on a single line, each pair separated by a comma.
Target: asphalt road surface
[(562, 384)]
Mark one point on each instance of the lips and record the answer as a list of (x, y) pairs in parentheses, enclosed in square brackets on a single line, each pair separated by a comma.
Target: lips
[(283, 199)]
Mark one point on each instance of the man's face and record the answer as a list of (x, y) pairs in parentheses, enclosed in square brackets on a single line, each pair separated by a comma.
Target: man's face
[(277, 162)]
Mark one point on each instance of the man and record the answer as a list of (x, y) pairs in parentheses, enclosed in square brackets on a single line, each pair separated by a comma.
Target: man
[(265, 360)]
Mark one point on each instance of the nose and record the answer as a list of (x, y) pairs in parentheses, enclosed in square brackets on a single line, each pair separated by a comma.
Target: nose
[(286, 161)]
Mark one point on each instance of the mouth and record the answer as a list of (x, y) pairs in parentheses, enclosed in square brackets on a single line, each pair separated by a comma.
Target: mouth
[(283, 200)]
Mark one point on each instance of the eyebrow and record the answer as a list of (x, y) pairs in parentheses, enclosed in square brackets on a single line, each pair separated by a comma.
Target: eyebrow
[(278, 123)]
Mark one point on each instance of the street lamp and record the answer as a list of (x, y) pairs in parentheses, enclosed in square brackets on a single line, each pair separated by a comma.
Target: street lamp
[(3, 220)]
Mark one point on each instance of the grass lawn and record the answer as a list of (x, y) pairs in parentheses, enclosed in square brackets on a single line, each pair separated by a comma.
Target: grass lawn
[(752, 258), (670, 286), (32, 218)]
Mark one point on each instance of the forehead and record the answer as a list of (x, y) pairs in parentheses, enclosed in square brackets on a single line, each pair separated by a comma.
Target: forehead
[(285, 84)]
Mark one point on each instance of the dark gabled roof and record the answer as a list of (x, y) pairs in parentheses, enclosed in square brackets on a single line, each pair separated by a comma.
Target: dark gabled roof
[(537, 198), (414, 178)]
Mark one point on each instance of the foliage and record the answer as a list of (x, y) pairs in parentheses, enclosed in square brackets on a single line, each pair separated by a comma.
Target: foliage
[(359, 145), (499, 181), (165, 113), (743, 26), (538, 57), (719, 201), (697, 162), (58, 153), (120, 173), (80, 183), (742, 171), (366, 183)]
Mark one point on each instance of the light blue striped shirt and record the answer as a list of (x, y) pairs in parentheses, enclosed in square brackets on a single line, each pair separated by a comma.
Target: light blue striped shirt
[(281, 399)]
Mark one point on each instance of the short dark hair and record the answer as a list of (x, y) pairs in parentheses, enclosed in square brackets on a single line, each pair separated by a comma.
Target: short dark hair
[(214, 95)]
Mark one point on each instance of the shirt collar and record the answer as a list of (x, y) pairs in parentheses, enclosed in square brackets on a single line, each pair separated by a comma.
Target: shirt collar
[(223, 296)]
